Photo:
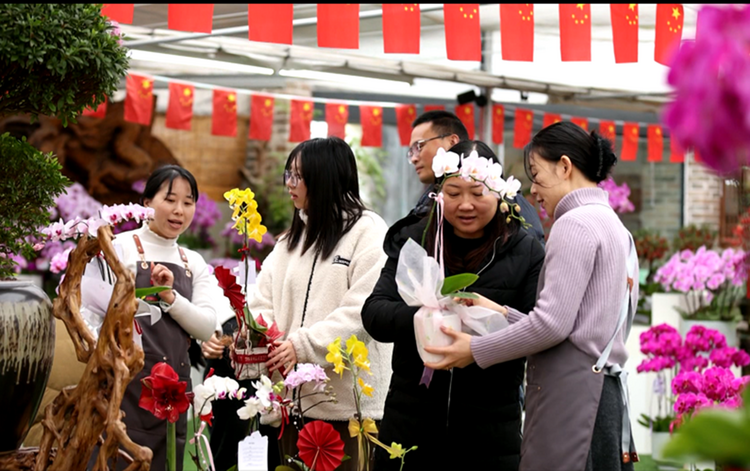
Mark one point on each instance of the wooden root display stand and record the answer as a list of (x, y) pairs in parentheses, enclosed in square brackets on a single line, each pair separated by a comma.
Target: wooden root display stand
[(89, 414)]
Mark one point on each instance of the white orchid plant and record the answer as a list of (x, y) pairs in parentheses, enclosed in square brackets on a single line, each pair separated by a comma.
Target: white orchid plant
[(482, 170)]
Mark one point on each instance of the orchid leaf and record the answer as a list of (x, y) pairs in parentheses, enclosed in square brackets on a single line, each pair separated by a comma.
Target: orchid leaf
[(462, 295), (458, 282), (141, 293), (253, 325)]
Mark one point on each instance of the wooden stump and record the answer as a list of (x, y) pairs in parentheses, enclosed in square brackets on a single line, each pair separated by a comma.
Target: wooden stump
[(75, 421)]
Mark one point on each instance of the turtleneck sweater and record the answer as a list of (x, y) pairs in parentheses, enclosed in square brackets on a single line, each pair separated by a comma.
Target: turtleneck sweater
[(580, 289), (197, 316)]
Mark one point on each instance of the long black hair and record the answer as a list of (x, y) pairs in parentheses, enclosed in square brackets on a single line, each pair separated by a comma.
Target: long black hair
[(329, 170), (496, 229), (590, 152), (168, 173)]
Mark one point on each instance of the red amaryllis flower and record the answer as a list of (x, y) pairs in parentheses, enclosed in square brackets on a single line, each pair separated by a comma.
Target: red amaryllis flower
[(233, 291), (163, 394), (320, 446)]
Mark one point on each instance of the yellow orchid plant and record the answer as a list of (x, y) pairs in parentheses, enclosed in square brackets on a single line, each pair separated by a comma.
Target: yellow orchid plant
[(353, 357)]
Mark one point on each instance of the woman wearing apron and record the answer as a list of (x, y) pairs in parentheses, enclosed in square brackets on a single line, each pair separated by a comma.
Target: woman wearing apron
[(189, 309), (574, 337)]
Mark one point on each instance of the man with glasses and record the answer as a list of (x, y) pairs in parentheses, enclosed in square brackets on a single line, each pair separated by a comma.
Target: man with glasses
[(431, 131)]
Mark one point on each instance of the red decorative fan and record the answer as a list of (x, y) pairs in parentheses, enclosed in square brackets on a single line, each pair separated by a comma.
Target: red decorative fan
[(320, 446)]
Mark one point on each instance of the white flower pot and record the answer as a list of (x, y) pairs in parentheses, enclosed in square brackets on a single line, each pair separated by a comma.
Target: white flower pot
[(663, 308), (728, 328), (658, 440)]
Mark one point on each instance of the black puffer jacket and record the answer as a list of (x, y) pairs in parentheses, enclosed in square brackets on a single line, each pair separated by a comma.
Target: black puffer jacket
[(469, 418)]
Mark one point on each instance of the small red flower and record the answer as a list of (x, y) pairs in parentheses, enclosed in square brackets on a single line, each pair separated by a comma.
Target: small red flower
[(320, 446), (163, 394)]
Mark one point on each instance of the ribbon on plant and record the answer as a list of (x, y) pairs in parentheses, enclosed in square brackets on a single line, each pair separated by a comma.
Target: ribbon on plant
[(365, 430), (199, 435)]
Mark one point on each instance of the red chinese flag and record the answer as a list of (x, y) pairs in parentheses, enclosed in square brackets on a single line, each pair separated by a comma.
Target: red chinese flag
[(463, 38), (180, 107), (299, 120), (224, 117), (466, 114), (669, 18), (624, 31), (498, 123), (582, 122), (517, 31), (433, 108), (336, 116), (371, 118), (270, 23), (676, 152), (655, 143), (100, 111), (119, 12), (607, 131), (522, 127), (401, 27), (193, 17), (261, 117), (575, 31), (405, 115), (629, 142), (139, 99), (550, 118), (338, 25)]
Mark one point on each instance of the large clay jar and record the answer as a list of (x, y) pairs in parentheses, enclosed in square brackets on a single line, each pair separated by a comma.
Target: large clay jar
[(27, 345)]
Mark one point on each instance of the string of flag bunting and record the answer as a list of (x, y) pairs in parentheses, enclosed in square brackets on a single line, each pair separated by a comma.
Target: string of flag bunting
[(338, 27), (139, 106)]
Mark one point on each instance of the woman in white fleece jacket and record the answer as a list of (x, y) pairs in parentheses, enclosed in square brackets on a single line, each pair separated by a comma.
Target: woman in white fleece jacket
[(316, 280)]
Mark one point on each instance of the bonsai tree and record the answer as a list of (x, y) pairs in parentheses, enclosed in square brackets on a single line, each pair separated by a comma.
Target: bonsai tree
[(55, 60), (29, 184)]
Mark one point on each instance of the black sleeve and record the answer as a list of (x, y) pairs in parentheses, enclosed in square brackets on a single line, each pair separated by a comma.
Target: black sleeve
[(529, 213), (536, 260), (385, 315)]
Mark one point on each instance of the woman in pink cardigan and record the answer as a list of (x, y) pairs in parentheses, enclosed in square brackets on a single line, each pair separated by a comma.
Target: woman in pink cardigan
[(574, 337)]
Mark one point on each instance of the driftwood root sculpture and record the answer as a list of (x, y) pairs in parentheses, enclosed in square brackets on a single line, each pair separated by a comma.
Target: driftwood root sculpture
[(81, 415)]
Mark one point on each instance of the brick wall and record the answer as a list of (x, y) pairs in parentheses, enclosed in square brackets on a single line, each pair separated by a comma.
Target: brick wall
[(703, 191)]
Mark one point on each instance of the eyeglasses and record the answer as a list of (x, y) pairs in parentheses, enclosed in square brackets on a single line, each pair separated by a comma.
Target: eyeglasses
[(417, 147), (292, 178)]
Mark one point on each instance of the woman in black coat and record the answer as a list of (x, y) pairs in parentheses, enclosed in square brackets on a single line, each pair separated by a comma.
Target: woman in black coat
[(468, 418)]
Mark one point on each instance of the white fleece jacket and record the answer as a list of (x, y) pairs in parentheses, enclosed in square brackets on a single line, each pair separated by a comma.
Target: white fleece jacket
[(339, 286), (199, 316)]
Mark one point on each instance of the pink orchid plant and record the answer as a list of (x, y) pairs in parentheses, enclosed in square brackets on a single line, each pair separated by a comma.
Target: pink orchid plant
[(618, 197), (60, 234), (709, 76), (697, 369), (713, 282)]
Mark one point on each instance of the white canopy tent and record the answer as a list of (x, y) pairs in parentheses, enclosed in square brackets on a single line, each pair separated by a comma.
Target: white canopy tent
[(428, 74)]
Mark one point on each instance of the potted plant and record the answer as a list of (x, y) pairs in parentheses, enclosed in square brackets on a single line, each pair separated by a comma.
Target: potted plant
[(690, 372), (712, 284), (651, 248), (55, 59)]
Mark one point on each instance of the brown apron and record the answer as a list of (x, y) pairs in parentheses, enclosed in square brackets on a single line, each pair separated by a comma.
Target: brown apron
[(564, 386), (164, 341)]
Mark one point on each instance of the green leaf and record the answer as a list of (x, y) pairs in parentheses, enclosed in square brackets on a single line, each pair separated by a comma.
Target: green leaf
[(714, 434), (462, 295), (458, 282), (141, 293)]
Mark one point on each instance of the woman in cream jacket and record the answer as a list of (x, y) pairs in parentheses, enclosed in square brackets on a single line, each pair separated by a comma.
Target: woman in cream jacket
[(316, 280)]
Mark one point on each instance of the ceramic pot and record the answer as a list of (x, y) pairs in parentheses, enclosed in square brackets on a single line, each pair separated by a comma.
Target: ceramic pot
[(27, 346), (658, 440)]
